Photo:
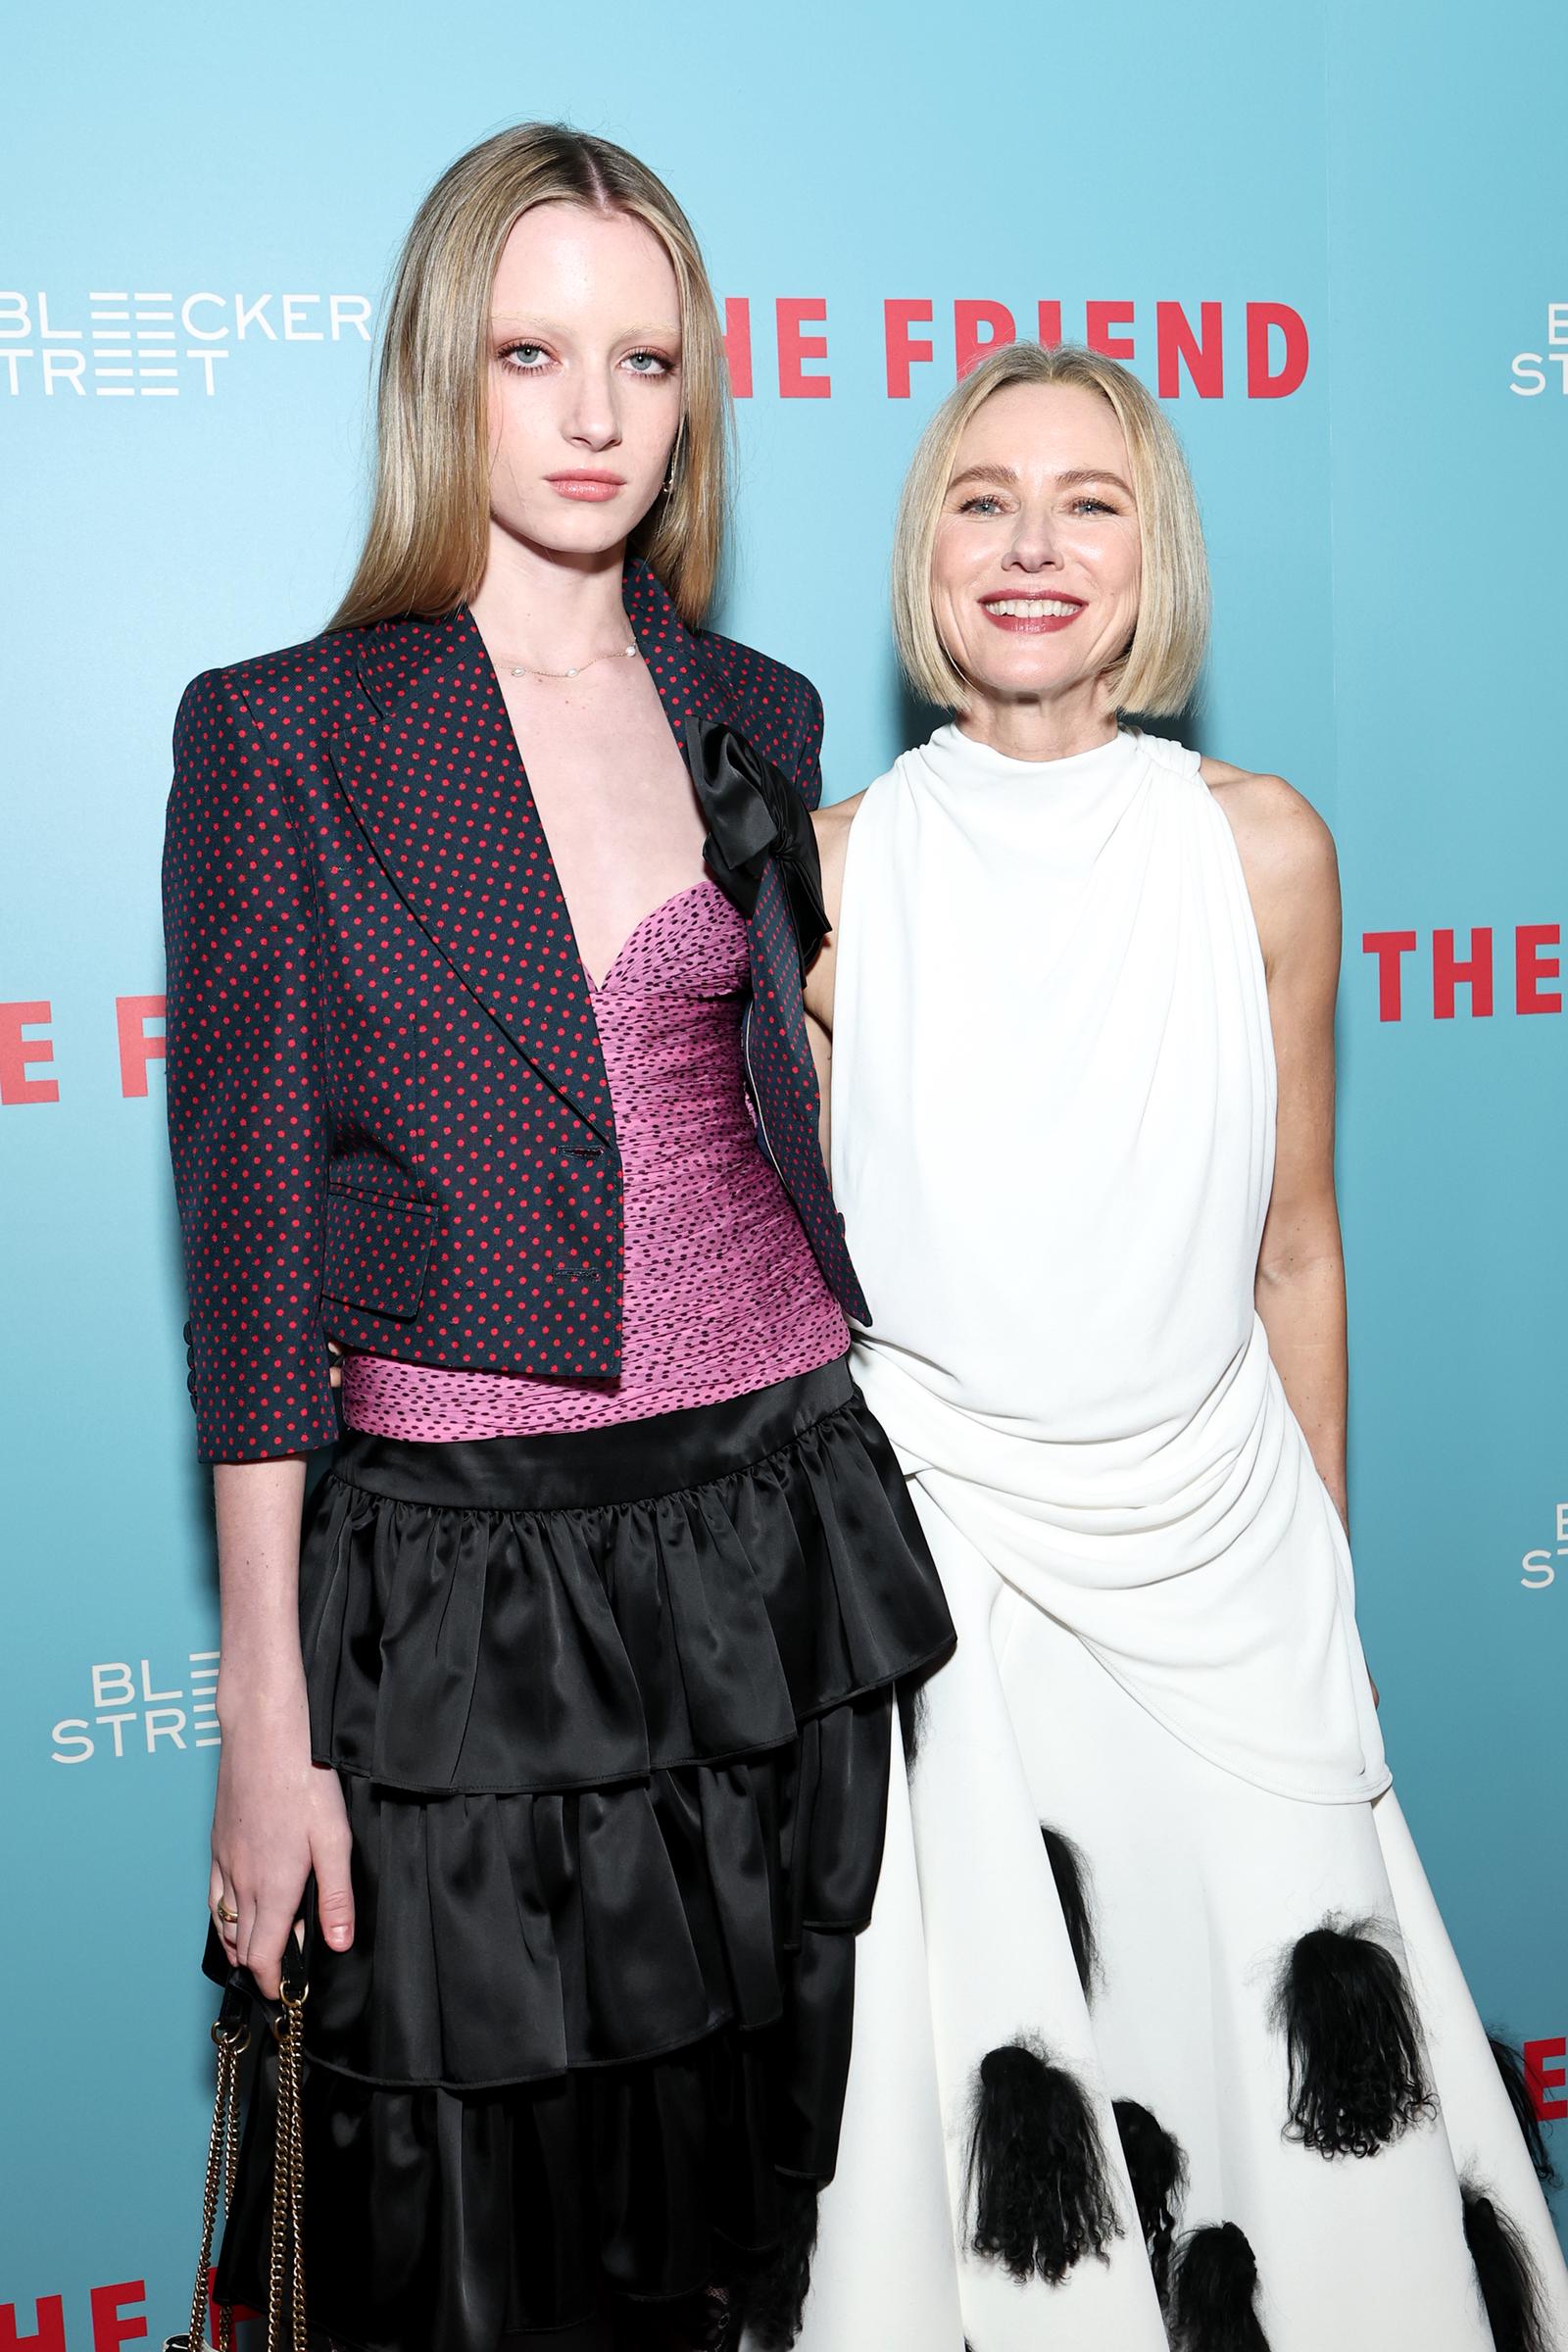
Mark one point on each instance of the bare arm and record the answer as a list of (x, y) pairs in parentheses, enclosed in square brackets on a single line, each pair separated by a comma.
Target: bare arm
[(277, 1815), (1293, 880)]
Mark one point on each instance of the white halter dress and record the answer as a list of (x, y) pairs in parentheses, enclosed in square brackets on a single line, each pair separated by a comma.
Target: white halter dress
[(1053, 1104)]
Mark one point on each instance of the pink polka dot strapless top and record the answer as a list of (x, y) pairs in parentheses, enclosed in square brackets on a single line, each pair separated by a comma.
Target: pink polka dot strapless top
[(722, 1294)]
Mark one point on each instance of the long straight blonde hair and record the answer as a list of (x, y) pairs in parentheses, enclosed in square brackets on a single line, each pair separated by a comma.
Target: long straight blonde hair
[(1155, 676), (426, 549)]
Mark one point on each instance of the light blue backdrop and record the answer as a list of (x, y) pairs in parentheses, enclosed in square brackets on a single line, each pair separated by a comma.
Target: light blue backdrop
[(1386, 543)]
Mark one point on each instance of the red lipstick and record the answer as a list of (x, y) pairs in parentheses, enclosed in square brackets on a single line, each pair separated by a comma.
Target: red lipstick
[(1032, 624)]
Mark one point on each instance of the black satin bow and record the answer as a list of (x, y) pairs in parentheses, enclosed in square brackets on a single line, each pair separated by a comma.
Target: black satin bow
[(754, 812)]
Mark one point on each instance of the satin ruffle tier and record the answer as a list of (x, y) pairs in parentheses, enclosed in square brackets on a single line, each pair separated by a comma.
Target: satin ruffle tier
[(617, 1766)]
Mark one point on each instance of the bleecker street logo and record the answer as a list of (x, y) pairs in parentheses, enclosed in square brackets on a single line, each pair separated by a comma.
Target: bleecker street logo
[(133, 1710), (1539, 1567), (122, 343), (1546, 370)]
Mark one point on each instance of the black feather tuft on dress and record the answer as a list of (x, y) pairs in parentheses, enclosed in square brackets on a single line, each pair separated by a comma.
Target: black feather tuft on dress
[(1037, 2177), (1506, 2275), (1074, 1893), (1214, 2304), (1357, 2076), (1511, 2067), (775, 2294), (1159, 2172)]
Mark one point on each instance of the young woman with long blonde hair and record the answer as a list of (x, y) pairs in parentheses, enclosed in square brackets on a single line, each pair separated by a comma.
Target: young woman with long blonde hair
[(564, 1735)]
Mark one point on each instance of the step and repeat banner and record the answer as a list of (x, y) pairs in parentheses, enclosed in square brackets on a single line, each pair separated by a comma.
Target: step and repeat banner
[(1330, 239)]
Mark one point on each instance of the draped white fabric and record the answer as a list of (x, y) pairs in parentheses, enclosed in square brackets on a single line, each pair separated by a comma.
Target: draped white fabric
[(1054, 1144)]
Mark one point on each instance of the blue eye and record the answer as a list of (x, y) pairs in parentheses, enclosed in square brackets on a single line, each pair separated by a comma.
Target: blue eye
[(986, 501), (524, 357), (657, 362), (1092, 505)]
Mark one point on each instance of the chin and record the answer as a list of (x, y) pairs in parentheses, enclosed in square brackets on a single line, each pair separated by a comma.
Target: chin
[(1026, 678), (560, 529)]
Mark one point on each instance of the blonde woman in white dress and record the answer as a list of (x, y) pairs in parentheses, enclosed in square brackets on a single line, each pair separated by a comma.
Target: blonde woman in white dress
[(1159, 2038)]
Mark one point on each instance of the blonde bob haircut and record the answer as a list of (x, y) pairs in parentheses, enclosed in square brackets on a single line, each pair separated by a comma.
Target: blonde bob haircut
[(426, 549), (1158, 670)]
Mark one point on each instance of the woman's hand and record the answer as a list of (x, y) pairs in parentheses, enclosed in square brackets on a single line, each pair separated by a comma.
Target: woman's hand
[(279, 1817)]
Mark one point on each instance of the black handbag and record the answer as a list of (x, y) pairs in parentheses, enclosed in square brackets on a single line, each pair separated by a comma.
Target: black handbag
[(285, 2270)]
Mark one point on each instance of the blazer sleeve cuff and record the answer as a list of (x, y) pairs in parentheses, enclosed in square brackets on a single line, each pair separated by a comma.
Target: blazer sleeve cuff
[(293, 1412)]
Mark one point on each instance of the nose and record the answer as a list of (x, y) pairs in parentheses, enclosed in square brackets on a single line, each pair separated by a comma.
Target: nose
[(593, 412), (1033, 546)]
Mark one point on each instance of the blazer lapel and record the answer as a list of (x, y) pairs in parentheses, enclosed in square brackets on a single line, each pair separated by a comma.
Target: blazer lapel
[(429, 766), (685, 684)]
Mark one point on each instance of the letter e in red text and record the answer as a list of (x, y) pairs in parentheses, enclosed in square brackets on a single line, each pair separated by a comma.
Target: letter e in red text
[(1098, 320), (795, 347), (1530, 967), (17, 1052), (1545, 2083)]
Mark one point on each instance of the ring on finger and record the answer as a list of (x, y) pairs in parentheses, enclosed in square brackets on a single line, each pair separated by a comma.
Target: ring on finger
[(229, 1918)]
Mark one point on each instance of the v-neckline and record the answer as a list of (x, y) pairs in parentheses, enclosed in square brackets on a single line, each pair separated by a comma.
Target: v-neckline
[(666, 690)]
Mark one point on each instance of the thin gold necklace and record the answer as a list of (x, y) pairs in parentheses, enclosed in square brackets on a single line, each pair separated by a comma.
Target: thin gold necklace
[(521, 669)]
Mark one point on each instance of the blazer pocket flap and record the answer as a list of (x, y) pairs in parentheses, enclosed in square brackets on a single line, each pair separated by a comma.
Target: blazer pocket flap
[(377, 1252)]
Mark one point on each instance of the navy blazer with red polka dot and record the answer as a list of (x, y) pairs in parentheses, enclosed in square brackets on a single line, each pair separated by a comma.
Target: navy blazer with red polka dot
[(388, 1110)]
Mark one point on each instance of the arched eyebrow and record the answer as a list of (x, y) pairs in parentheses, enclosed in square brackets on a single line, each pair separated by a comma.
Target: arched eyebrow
[(1005, 477), (1093, 474)]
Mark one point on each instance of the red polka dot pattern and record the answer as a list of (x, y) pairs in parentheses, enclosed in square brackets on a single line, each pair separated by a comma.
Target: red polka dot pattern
[(388, 1106)]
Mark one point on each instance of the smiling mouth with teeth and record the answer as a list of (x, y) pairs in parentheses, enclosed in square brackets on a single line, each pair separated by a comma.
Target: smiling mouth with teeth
[(1032, 616)]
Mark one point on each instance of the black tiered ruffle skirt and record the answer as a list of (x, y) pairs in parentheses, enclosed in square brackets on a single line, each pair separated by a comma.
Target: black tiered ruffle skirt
[(613, 1714)]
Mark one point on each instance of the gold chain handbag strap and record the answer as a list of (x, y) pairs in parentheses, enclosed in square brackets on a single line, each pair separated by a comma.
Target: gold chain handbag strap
[(232, 2032), (285, 2280), (285, 2275)]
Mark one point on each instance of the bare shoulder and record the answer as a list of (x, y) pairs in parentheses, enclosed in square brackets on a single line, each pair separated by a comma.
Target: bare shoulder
[(1284, 843), (1287, 860)]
